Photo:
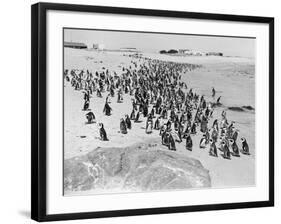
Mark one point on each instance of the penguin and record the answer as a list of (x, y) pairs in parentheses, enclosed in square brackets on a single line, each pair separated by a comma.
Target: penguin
[(157, 124), (176, 123), (162, 130), (193, 129), (119, 98), (203, 142), (207, 112), (149, 125), (216, 125), (213, 149), (223, 114), (180, 134), (123, 127), (133, 116), (86, 105), (172, 144), (165, 138), (90, 117), (169, 124), (204, 104), (128, 122), (137, 117), (218, 103), (145, 110), (214, 135), (245, 147), (112, 92), (213, 92), (207, 134), (234, 135), (98, 93), (107, 109), (152, 112), (225, 149), (221, 139), (103, 135), (86, 96), (189, 143), (234, 147), (172, 115)]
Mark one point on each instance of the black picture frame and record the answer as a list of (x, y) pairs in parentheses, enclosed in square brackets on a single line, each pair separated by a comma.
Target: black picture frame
[(39, 108)]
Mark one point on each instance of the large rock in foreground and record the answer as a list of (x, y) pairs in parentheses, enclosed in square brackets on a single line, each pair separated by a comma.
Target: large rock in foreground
[(141, 167)]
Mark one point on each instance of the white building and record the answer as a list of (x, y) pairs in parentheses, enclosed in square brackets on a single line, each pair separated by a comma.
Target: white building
[(99, 47), (191, 52)]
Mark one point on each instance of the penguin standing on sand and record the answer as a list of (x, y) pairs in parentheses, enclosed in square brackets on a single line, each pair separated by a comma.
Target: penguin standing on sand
[(128, 122), (214, 135), (86, 105), (152, 112), (165, 138), (123, 127), (213, 92), (107, 109), (193, 129), (207, 134), (234, 135), (223, 114), (172, 144), (149, 125), (119, 98), (137, 117), (245, 147), (218, 103), (86, 96), (157, 124), (99, 93), (133, 116), (189, 143), (90, 117), (225, 149), (103, 135), (145, 110), (162, 130), (216, 125), (180, 134), (213, 149), (234, 147), (203, 142)]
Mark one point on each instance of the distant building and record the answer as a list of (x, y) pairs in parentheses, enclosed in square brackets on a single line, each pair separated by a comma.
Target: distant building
[(98, 46), (75, 45), (190, 52), (185, 51)]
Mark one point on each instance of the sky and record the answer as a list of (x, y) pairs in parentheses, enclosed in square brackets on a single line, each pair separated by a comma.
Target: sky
[(153, 42)]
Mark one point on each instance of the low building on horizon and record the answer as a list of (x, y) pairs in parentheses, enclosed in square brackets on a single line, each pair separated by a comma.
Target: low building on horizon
[(99, 47), (75, 45)]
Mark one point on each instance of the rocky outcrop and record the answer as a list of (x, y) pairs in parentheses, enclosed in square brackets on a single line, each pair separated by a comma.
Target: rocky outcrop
[(141, 167)]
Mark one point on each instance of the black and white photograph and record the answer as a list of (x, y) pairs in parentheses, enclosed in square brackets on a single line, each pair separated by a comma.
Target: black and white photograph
[(149, 112)]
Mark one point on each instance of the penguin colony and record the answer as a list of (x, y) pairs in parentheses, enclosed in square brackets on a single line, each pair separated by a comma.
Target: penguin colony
[(177, 112)]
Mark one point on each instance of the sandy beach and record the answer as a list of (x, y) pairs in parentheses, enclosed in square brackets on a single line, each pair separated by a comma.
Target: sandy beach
[(232, 77)]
